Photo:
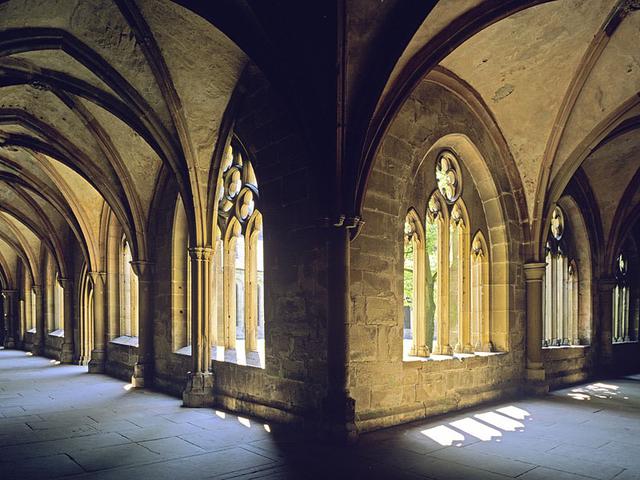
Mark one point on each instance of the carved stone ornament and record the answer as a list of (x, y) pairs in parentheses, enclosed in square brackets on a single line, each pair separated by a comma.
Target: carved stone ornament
[(456, 215), (476, 248), (238, 187), (448, 176), (433, 208), (557, 223), (622, 264), (409, 229)]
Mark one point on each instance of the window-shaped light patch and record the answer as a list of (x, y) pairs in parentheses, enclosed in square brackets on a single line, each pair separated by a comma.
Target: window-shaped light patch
[(443, 435)]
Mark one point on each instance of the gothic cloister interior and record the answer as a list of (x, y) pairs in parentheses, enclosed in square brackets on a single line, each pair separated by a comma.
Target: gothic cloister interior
[(404, 235)]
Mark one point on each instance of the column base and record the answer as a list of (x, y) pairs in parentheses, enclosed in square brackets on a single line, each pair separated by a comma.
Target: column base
[(339, 417), (9, 342), (253, 358), (199, 391), (37, 348), (446, 350), (141, 375), (536, 383), (230, 355), (423, 351), (96, 364), (66, 356)]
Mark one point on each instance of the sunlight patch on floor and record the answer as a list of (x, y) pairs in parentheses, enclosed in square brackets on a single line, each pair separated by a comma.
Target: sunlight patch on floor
[(484, 426)]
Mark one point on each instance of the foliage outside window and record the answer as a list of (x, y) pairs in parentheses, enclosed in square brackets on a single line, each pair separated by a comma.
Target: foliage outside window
[(446, 308)]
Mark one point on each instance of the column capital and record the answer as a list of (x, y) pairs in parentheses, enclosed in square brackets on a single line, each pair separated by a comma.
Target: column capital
[(200, 253), (142, 268), (9, 292), (98, 277), (65, 282), (534, 271), (37, 289)]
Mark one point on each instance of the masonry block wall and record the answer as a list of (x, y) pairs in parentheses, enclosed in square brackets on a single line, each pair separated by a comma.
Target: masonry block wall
[(387, 389)]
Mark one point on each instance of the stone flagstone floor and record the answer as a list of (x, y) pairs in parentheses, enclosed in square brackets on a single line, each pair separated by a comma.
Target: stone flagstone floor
[(59, 421)]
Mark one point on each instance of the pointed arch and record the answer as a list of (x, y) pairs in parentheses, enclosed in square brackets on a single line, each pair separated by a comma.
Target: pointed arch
[(254, 277), (415, 282), (459, 278), (437, 248), (480, 300), (233, 316), (180, 279)]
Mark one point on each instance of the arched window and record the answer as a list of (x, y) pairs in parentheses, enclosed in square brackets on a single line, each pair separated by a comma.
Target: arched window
[(561, 287), (459, 279), (480, 328), (621, 330), (414, 286), (128, 293), (58, 305), (240, 226), (50, 294), (435, 240), (32, 317), (85, 331), (180, 280), (442, 307)]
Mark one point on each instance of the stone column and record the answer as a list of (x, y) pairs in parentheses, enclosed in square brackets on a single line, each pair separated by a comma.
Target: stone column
[(96, 364), (534, 275), (11, 322), (199, 389), (143, 369), (39, 339), (605, 322), (67, 346), (339, 407)]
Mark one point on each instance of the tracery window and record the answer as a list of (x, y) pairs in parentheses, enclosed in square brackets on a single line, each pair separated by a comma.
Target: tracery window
[(58, 305), (480, 339), (33, 312), (623, 331), (128, 293), (240, 228), (414, 295), (561, 287), (446, 310)]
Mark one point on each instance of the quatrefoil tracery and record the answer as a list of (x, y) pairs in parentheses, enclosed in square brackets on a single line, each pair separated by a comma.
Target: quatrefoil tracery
[(448, 176), (237, 186)]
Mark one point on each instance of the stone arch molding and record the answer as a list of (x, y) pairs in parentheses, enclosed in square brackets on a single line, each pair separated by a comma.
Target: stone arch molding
[(492, 203)]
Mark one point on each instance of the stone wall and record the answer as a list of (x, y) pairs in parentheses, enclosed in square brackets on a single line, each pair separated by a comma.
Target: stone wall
[(170, 368), (120, 360), (386, 389), (295, 252), (568, 365)]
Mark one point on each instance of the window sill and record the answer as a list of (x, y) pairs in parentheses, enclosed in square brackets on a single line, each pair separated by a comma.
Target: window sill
[(443, 358), (125, 340), (625, 342), (184, 351), (564, 347), (57, 333), (238, 356)]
